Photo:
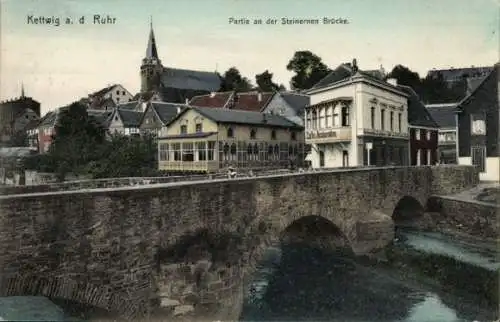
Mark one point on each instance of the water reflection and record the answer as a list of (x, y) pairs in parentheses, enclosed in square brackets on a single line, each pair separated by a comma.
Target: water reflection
[(311, 285)]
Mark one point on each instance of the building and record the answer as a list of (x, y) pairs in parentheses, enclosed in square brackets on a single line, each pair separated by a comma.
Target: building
[(445, 117), (15, 114), (125, 121), (290, 105), (423, 131), (478, 133), (254, 101), (157, 115), (208, 139), (109, 97), (46, 126), (46, 129), (173, 85), (356, 119), (453, 75)]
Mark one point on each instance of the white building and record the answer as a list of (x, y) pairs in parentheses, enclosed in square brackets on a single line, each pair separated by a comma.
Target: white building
[(356, 119)]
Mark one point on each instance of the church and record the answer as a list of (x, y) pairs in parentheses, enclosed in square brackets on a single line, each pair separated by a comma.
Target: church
[(159, 83)]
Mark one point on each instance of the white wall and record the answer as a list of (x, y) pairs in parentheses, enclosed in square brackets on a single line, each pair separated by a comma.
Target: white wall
[(367, 92), (332, 93), (333, 155), (492, 172), (119, 97)]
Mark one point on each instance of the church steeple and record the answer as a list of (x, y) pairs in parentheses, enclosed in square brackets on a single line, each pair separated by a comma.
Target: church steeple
[(151, 51), (151, 68)]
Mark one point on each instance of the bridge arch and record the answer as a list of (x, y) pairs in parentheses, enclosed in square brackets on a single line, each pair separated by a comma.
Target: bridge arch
[(65, 288), (317, 230), (406, 211)]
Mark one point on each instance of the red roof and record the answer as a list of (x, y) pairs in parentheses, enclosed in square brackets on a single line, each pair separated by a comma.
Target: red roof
[(217, 100), (248, 101)]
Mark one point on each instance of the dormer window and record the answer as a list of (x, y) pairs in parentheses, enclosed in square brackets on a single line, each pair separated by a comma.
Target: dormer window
[(198, 128), (273, 135), (230, 133), (253, 134)]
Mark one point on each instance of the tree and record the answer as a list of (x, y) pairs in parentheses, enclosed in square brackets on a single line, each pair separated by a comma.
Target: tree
[(126, 156), (308, 68), (232, 80), (406, 77), (265, 82), (78, 139)]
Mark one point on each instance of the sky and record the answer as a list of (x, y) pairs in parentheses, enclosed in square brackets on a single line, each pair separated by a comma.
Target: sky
[(61, 64)]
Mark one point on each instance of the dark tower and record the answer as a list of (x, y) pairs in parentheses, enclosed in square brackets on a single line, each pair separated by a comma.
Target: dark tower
[(151, 67)]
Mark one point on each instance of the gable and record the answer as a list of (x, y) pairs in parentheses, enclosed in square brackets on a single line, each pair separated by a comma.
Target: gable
[(150, 119), (190, 117), (116, 121)]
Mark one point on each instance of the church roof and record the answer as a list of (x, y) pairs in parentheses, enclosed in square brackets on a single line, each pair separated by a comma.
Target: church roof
[(190, 79)]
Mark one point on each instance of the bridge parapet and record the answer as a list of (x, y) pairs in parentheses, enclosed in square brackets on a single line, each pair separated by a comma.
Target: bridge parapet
[(105, 235)]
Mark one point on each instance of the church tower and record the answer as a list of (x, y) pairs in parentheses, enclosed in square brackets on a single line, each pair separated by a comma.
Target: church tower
[(151, 68)]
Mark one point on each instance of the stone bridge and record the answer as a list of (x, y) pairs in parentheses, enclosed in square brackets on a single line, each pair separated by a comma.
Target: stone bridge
[(136, 250)]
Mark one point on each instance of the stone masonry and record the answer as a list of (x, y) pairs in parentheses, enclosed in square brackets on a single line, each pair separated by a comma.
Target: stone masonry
[(187, 245)]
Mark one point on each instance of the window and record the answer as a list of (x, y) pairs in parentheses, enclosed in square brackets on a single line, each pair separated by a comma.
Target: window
[(123, 92), (176, 147), (270, 151), (478, 124), (187, 152), (327, 116), (308, 121), (230, 132), (428, 135), (202, 153), (273, 135), (225, 150), (198, 128), (256, 151), (417, 134), (211, 150), (345, 116), (314, 120), (392, 121), (252, 134), (250, 152), (116, 117), (372, 118), (293, 136), (321, 118), (233, 150), (399, 122), (382, 119), (163, 152), (184, 129), (117, 92)]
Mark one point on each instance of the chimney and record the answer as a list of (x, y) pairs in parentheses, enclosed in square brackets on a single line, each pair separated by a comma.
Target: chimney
[(354, 66), (259, 96), (392, 81)]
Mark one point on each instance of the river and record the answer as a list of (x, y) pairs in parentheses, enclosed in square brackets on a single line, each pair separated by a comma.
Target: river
[(297, 283)]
